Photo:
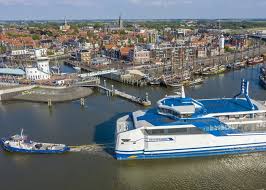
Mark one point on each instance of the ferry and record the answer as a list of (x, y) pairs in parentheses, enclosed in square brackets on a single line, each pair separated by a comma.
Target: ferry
[(22, 144), (185, 127)]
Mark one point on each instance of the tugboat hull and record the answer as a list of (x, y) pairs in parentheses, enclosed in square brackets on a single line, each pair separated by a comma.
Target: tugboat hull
[(34, 151)]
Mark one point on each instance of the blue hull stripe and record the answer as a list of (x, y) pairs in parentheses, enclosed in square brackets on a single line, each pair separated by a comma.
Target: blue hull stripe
[(193, 153), (206, 147)]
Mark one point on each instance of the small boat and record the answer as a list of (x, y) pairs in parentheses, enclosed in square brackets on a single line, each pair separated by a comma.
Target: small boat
[(55, 69), (197, 81), (221, 69), (243, 63), (174, 84), (255, 61), (21, 144), (154, 82), (77, 68)]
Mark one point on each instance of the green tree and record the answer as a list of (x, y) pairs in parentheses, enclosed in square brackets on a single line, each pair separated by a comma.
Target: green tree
[(35, 37), (2, 49)]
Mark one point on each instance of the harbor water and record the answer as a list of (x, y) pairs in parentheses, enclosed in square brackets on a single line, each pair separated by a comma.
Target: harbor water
[(71, 124)]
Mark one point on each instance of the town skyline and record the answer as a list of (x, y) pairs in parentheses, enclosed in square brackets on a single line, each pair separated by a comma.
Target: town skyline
[(131, 9)]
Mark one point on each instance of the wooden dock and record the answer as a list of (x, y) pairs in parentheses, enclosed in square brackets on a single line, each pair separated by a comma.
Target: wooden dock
[(113, 92)]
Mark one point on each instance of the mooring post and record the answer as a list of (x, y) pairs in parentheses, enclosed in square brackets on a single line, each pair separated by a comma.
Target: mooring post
[(49, 102), (82, 101), (147, 97), (112, 88)]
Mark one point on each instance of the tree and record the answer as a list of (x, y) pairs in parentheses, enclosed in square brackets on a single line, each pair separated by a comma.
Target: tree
[(35, 37), (2, 49)]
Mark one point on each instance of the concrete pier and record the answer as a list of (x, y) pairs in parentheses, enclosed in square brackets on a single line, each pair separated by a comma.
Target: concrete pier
[(114, 92)]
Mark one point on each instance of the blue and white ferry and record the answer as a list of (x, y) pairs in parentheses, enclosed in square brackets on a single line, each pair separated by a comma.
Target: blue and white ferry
[(185, 127), (22, 144)]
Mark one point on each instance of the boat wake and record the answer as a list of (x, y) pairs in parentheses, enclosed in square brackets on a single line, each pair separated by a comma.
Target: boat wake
[(93, 148)]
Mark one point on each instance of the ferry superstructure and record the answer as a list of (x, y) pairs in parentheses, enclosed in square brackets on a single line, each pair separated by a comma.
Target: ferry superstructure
[(184, 127)]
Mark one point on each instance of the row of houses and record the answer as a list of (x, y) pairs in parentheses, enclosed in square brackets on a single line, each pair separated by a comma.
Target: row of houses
[(147, 53)]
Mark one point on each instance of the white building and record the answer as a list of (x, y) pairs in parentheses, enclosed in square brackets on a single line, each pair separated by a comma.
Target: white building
[(35, 53), (221, 42), (41, 72), (139, 55), (40, 52), (99, 61), (20, 52)]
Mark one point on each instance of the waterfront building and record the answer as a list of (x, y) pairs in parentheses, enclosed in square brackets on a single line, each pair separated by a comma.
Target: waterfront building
[(11, 72), (40, 72), (100, 61), (46, 43), (201, 52), (213, 51), (111, 51), (84, 56), (139, 55), (124, 52), (39, 52), (20, 52)]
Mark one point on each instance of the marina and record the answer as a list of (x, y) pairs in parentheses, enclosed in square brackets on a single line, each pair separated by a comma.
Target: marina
[(96, 125)]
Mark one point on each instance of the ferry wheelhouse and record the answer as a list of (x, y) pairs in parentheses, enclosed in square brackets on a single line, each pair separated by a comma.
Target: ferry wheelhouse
[(184, 127)]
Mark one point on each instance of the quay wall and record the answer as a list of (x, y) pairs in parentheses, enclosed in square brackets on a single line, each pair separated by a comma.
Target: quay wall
[(45, 95), (6, 94)]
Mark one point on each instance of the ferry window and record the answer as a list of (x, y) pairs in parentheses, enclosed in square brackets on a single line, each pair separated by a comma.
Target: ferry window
[(177, 131), (194, 130), (157, 131), (174, 131)]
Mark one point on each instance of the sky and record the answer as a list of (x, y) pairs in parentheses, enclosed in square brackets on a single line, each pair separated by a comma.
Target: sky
[(130, 9)]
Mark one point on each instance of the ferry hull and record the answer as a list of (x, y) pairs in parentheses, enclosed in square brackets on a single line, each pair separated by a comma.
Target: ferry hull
[(195, 153)]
